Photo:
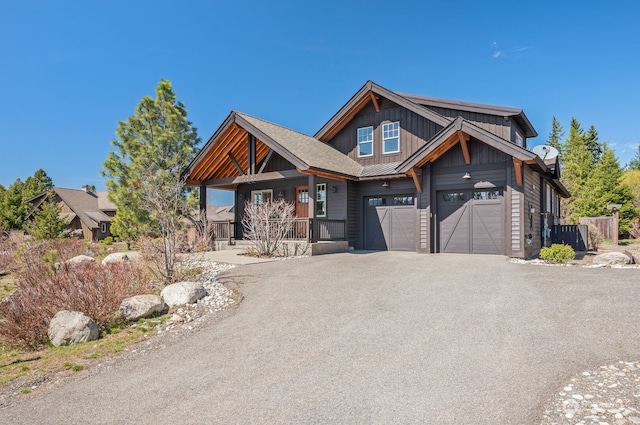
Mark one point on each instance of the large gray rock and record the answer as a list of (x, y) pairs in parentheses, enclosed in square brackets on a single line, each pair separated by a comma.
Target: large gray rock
[(71, 327), (611, 258), (116, 257), (138, 306), (183, 293), (81, 259)]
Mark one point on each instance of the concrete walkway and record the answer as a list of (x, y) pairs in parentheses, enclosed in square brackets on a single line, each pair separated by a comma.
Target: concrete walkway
[(371, 338)]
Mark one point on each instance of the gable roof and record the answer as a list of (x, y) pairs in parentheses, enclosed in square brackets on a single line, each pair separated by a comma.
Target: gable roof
[(517, 114), (306, 153), (445, 139), (365, 95), (83, 204)]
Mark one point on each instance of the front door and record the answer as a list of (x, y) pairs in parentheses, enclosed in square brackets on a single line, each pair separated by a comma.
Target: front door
[(302, 211)]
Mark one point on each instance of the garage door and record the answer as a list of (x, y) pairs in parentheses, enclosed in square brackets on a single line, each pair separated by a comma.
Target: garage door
[(471, 221), (390, 223)]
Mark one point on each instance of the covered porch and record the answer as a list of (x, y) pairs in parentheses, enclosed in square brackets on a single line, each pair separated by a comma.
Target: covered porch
[(259, 160)]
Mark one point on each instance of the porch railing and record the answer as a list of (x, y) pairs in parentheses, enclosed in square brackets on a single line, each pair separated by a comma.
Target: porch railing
[(304, 229)]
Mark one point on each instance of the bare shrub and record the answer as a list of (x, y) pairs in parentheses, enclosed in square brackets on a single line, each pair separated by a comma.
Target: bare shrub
[(90, 288), (595, 237), (634, 230), (267, 225), (153, 257), (204, 233), (7, 256)]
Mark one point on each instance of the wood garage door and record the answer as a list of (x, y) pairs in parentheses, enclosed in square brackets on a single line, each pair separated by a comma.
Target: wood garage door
[(390, 223), (471, 221)]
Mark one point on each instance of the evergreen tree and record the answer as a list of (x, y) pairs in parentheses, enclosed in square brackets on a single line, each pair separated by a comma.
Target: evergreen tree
[(592, 144), (556, 134), (152, 148), (603, 187), (39, 183), (577, 162), (635, 162), (12, 209), (631, 178), (46, 222)]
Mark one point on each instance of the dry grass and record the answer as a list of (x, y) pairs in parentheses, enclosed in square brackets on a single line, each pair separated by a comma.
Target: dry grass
[(16, 362)]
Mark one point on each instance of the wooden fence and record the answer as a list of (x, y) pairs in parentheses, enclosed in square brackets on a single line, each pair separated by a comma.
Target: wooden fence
[(604, 225)]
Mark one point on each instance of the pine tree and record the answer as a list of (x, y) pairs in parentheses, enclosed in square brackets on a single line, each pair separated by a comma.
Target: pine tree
[(635, 162), (46, 222), (34, 185), (12, 209), (556, 134), (604, 187), (592, 144), (577, 162), (153, 146)]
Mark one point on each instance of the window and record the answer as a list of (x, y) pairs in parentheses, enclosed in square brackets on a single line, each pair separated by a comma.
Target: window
[(321, 200), (103, 227), (403, 200), (483, 195), (519, 139), (259, 196), (391, 137), (365, 141), (453, 196), (376, 202), (303, 196)]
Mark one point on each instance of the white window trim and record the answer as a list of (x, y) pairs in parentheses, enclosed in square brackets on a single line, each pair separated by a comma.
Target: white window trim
[(318, 189), (371, 142), (103, 227), (270, 191), (384, 151), (519, 139)]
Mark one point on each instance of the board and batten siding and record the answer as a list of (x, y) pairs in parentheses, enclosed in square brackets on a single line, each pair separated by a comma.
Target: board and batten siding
[(497, 125), (415, 131), (532, 221)]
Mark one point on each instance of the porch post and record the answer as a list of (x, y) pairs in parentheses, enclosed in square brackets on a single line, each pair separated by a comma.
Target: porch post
[(312, 207), (252, 154), (203, 200)]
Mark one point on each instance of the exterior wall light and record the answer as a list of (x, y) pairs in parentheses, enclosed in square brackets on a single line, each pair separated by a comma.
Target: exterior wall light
[(466, 176), (385, 184), (334, 189)]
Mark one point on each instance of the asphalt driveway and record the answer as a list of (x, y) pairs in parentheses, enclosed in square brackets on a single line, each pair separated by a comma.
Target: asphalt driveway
[(383, 337)]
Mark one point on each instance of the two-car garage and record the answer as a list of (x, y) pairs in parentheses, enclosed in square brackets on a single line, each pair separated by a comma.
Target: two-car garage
[(466, 221)]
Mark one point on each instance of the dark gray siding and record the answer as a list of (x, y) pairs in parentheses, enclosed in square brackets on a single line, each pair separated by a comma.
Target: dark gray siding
[(374, 188), (515, 220), (479, 152), (495, 124), (278, 163), (415, 131), (353, 217), (532, 221)]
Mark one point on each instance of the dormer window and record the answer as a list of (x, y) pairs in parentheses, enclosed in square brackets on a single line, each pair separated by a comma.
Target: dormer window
[(391, 137), (365, 141)]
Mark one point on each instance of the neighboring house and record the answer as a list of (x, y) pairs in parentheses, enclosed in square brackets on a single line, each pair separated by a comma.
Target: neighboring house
[(393, 171), (224, 213), (87, 213)]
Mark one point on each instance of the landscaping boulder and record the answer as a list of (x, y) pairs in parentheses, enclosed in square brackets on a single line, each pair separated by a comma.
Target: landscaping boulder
[(183, 293), (138, 306), (81, 259), (116, 257), (71, 327), (611, 258)]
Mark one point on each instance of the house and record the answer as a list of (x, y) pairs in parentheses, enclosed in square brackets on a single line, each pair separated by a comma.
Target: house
[(393, 171), (87, 213)]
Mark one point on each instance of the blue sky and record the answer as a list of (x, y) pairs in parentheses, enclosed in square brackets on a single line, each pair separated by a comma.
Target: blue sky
[(71, 70)]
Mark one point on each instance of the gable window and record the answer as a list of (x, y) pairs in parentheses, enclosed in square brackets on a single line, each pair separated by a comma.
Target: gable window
[(260, 196), (519, 139), (321, 200), (103, 227), (391, 137), (365, 141)]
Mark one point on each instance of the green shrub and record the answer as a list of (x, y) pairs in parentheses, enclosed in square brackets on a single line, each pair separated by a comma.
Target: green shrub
[(107, 241), (557, 253)]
